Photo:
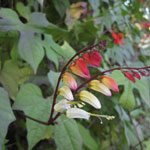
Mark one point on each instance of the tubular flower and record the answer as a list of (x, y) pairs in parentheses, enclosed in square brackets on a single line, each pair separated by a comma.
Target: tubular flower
[(90, 99), (66, 92), (118, 37), (69, 80), (143, 73), (77, 113), (93, 58), (129, 76), (137, 75), (110, 83), (100, 87), (80, 68), (61, 106)]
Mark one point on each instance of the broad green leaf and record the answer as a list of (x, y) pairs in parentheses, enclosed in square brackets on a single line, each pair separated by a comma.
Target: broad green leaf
[(9, 20), (127, 99), (24, 11), (61, 6), (30, 49), (130, 134), (66, 135), (11, 77), (30, 100), (6, 114), (88, 140)]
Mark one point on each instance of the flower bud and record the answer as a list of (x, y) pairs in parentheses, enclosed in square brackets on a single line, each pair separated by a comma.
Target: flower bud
[(90, 99), (77, 113)]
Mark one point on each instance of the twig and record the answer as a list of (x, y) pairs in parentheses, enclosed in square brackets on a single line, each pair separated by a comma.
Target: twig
[(41, 122)]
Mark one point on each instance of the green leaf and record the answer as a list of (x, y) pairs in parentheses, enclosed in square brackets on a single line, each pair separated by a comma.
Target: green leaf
[(24, 11), (127, 99), (30, 49), (130, 134), (61, 6), (9, 20), (66, 135), (6, 114), (30, 100), (11, 77), (88, 140)]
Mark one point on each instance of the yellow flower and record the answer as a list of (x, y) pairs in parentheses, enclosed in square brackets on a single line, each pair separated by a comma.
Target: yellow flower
[(90, 98), (66, 92), (77, 113), (100, 87), (61, 106)]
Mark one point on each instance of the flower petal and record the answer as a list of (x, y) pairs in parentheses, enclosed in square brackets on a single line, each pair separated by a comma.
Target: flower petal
[(80, 68), (66, 92), (110, 83), (69, 80), (93, 58), (100, 87), (137, 75), (90, 99), (61, 106), (77, 113), (129, 76), (143, 73)]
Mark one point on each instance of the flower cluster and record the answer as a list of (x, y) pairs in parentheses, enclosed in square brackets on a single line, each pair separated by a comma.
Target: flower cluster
[(136, 74), (73, 101)]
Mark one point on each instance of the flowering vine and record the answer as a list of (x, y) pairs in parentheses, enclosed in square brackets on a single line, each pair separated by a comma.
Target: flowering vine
[(74, 100)]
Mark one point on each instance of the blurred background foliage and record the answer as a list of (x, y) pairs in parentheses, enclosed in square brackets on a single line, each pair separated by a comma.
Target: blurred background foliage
[(37, 38)]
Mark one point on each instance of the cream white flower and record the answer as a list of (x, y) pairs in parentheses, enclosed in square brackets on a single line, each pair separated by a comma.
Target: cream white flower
[(90, 98), (77, 113), (66, 92), (61, 106)]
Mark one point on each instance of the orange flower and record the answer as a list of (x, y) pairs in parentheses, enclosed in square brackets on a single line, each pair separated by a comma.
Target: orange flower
[(80, 68), (110, 83), (69, 80), (93, 58), (118, 37)]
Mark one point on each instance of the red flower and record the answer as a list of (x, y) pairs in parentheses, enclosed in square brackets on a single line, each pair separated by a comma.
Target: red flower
[(118, 37), (129, 76), (93, 58), (143, 73), (80, 68), (137, 75)]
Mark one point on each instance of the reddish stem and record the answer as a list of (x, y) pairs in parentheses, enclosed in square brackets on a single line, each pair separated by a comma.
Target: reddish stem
[(110, 70)]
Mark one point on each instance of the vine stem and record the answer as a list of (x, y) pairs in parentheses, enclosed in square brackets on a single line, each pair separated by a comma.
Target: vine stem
[(110, 70), (50, 121)]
